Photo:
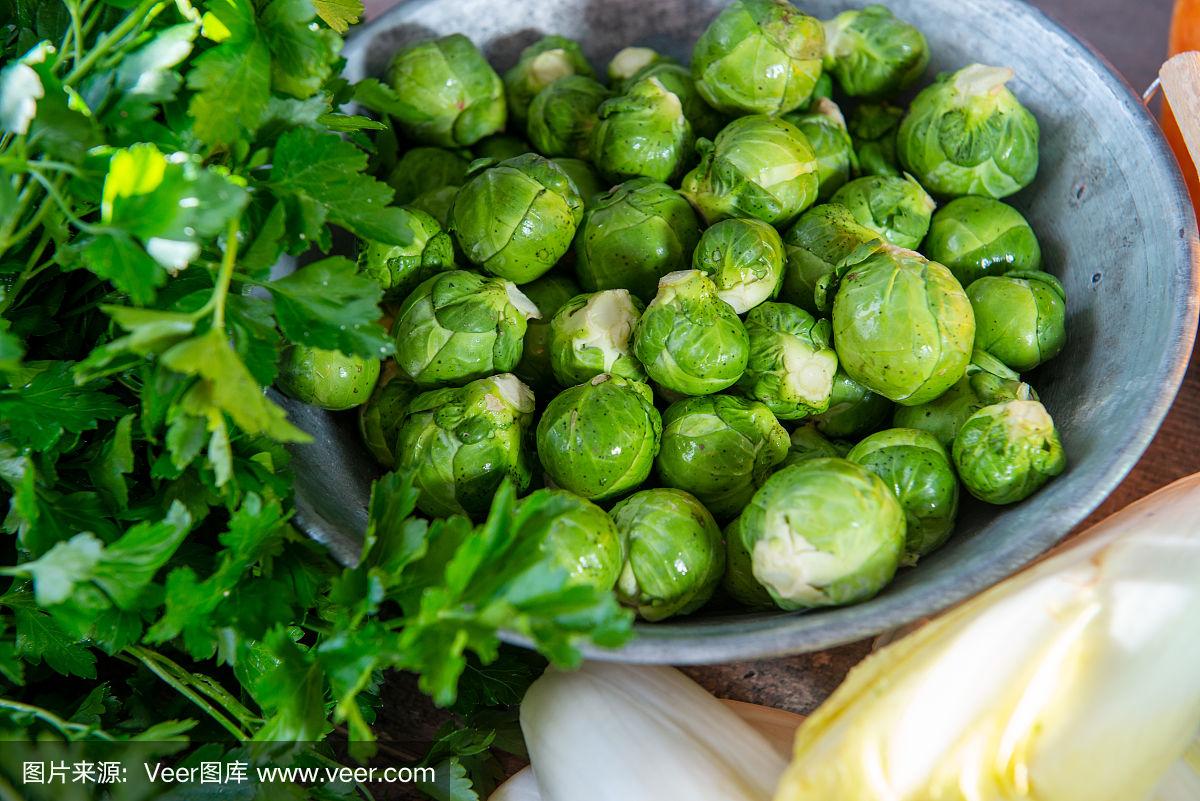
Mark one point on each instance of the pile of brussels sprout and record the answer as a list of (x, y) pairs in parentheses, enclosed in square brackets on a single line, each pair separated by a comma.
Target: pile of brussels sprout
[(759, 320)]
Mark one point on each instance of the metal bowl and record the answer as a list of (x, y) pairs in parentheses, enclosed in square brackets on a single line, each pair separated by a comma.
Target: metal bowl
[(1114, 221)]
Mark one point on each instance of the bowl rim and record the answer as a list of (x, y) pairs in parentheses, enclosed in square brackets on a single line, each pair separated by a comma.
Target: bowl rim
[(690, 642)]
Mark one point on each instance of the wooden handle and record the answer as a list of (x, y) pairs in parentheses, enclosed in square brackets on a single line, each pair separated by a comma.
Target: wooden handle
[(1181, 84)]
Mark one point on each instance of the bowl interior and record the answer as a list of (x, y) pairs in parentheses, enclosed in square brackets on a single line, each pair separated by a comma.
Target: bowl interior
[(1114, 223)]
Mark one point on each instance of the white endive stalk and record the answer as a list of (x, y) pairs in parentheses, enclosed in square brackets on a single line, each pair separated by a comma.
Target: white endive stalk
[(1182, 782), (1077, 680), (624, 733)]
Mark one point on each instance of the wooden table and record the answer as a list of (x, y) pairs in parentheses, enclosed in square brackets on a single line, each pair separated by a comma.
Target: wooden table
[(1132, 36)]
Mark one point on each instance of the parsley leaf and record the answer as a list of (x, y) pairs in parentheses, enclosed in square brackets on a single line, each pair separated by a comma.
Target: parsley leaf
[(329, 305), (232, 80), (38, 413), (339, 14)]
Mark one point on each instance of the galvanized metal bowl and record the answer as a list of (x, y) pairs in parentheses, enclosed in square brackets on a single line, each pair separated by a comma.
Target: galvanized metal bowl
[(1114, 221)]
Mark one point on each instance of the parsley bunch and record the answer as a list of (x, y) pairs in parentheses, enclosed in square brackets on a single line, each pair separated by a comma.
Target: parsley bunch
[(158, 159)]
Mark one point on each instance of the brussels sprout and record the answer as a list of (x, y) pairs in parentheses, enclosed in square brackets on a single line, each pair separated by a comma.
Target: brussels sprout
[(720, 449), (1005, 452), (853, 409), (825, 128), (823, 238), (689, 340), (759, 167), (590, 335), (759, 57), (399, 268), (823, 532), (563, 115), (449, 94), (744, 258), (967, 134), (897, 209), (584, 177), (541, 64), (987, 381), (822, 91), (809, 443), (500, 147), (644, 132), (581, 539), (873, 54), (548, 293), (917, 468), (380, 417), (1020, 318), (326, 378), (792, 362), (673, 553), (458, 326), (739, 581), (517, 219), (437, 203), (424, 169), (634, 235), (903, 326), (632, 60), (873, 128), (978, 236), (706, 121), (460, 443), (599, 439)]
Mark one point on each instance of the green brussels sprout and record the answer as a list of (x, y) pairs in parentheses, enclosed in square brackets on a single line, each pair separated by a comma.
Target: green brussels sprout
[(744, 258), (458, 326), (380, 417), (792, 362), (739, 582), (449, 94), (897, 209), (586, 181), (634, 235), (1005, 452), (548, 294), (987, 381), (706, 121), (563, 115), (903, 326), (873, 128), (823, 532), (759, 167), (689, 340), (516, 219), (823, 238), (599, 439), (460, 443), (853, 409), (967, 134), (917, 468), (643, 132), (808, 443), (500, 147), (437, 203), (873, 54), (590, 335), (825, 128), (1020, 317), (539, 65), (759, 57), (424, 169), (673, 553), (978, 236), (581, 539), (720, 449), (822, 91), (326, 378), (632, 60), (399, 268)]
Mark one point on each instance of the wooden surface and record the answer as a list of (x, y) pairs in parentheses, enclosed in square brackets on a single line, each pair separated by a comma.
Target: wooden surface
[(1132, 35)]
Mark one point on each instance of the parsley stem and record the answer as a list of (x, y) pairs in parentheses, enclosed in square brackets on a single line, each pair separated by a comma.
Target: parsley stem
[(140, 16), (217, 302), (66, 727), (74, 34), (152, 662)]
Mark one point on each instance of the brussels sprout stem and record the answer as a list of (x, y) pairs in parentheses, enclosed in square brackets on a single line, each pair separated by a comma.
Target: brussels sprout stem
[(980, 79)]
